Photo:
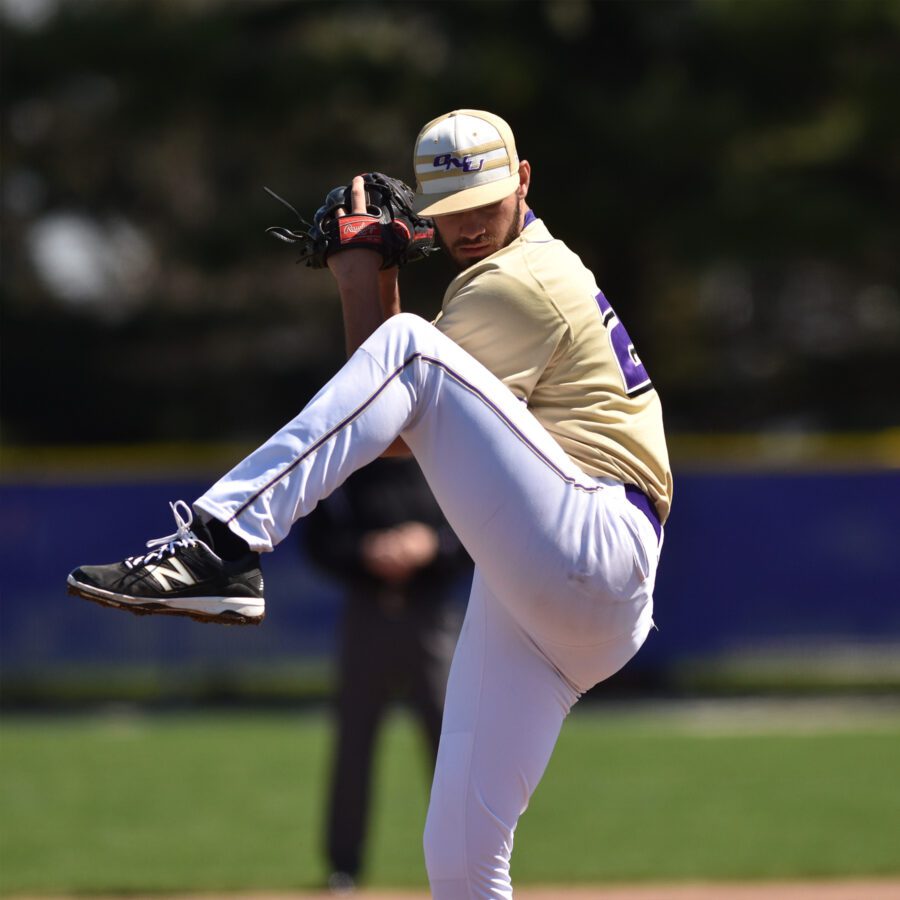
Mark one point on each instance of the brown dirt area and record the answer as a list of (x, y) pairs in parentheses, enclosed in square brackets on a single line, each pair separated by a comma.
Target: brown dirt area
[(800, 890)]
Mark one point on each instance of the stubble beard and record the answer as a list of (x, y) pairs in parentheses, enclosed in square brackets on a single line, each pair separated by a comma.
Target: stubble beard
[(514, 230)]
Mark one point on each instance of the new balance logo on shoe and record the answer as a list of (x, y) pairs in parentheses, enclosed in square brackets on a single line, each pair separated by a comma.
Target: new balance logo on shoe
[(174, 570)]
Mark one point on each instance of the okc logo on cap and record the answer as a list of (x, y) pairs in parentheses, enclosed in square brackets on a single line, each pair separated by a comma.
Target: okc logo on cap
[(463, 160)]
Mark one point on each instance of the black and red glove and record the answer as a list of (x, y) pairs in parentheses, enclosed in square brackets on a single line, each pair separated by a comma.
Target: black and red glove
[(389, 225)]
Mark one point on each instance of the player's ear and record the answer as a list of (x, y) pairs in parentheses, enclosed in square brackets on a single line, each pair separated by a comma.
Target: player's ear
[(524, 179)]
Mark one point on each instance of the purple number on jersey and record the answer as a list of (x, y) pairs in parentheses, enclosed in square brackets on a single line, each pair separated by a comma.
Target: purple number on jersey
[(634, 375)]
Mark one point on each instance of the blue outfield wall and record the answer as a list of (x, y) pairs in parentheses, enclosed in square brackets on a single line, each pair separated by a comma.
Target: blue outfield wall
[(757, 561), (751, 561)]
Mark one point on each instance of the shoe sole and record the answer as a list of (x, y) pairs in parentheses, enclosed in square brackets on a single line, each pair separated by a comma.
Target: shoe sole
[(241, 616)]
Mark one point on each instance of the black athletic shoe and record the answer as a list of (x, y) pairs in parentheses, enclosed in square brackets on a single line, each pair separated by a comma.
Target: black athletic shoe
[(180, 576)]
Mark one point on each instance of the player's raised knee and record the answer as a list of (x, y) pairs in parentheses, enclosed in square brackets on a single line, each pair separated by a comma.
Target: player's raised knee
[(410, 323), (401, 335)]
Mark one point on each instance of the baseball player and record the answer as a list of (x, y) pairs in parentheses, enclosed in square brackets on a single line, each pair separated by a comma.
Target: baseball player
[(540, 433)]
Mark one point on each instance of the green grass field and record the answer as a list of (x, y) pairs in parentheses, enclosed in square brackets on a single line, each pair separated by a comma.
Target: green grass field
[(202, 802)]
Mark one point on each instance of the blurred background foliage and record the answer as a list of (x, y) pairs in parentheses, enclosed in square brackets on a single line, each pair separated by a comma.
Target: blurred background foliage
[(728, 168)]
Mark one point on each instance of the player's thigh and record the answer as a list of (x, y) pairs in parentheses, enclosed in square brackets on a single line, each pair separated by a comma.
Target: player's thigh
[(502, 481)]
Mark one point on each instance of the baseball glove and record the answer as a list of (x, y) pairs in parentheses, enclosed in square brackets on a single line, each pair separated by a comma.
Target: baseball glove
[(389, 225)]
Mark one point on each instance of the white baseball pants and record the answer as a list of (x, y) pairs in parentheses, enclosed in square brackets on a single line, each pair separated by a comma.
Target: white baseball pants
[(565, 566)]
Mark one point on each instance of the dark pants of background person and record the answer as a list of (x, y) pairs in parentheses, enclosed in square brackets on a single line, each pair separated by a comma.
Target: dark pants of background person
[(396, 639), (386, 654)]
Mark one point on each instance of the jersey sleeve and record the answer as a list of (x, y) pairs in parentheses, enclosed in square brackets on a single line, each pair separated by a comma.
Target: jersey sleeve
[(508, 326)]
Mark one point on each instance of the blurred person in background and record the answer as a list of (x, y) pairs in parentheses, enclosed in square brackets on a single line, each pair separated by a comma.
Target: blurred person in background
[(383, 536)]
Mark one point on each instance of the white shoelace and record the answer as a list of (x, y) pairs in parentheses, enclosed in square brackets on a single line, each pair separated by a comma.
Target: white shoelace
[(165, 546)]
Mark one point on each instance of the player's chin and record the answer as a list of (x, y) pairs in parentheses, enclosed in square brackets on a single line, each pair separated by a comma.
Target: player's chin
[(468, 256)]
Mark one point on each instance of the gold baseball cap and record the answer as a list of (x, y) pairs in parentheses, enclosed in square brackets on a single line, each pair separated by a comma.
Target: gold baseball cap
[(463, 160)]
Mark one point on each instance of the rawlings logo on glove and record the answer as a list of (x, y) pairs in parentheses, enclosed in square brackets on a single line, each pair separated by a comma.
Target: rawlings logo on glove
[(389, 227)]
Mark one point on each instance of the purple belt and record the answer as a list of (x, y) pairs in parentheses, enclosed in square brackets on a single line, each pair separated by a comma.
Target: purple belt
[(636, 497)]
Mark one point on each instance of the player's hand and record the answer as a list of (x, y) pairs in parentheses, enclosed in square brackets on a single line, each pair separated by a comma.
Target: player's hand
[(361, 262)]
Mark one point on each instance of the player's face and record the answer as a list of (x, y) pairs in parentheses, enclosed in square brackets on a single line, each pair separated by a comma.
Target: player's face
[(477, 233)]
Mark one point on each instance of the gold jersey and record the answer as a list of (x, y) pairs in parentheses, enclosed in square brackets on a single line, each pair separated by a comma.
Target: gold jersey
[(533, 315)]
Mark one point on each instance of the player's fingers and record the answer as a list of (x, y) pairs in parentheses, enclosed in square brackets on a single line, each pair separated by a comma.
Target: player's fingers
[(358, 195), (357, 198)]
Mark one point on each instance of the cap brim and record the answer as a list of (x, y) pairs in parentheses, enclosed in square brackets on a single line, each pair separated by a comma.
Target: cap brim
[(469, 198)]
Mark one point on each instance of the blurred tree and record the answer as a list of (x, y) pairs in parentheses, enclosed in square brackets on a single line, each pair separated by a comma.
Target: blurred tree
[(729, 170)]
